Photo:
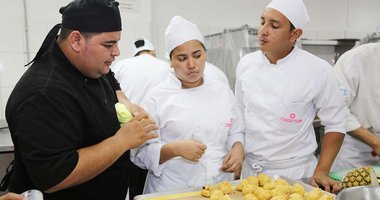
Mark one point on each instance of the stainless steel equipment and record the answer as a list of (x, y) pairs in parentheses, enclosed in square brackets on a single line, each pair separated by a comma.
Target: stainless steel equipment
[(6, 151), (329, 50), (360, 193)]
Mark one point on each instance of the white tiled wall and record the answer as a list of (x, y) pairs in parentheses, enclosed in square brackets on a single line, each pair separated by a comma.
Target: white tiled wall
[(11, 47)]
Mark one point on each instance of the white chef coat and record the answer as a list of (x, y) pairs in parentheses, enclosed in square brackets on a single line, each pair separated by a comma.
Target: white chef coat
[(279, 103), (137, 75), (358, 71), (207, 113), (213, 72)]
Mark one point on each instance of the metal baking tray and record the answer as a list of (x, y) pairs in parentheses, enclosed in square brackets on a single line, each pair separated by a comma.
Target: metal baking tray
[(360, 193), (194, 193)]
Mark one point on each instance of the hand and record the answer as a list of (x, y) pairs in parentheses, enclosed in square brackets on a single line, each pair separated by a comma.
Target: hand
[(323, 181), (11, 196), (138, 130), (190, 149), (234, 158), (135, 109)]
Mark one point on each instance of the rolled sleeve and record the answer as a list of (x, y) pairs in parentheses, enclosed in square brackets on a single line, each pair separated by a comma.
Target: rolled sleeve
[(148, 157), (333, 111), (352, 123), (237, 137)]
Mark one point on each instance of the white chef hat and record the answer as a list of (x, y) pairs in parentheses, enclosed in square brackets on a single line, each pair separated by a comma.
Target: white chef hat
[(294, 10), (142, 44), (180, 31)]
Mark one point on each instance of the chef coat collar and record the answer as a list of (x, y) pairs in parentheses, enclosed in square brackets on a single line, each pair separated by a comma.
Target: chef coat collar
[(283, 60)]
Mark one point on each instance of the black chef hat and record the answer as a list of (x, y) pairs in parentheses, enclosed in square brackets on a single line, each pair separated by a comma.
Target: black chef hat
[(91, 16)]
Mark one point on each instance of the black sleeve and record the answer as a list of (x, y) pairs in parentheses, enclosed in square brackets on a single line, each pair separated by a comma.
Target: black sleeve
[(47, 132)]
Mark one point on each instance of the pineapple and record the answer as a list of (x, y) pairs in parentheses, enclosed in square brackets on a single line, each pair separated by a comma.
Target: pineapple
[(360, 177)]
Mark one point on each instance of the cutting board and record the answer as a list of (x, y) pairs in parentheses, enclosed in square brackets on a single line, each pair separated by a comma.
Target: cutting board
[(338, 175)]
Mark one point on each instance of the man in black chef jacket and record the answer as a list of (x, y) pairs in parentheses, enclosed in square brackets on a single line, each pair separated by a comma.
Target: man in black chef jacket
[(67, 138)]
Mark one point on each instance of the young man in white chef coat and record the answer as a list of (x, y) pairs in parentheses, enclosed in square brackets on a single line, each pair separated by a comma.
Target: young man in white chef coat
[(280, 89), (358, 71)]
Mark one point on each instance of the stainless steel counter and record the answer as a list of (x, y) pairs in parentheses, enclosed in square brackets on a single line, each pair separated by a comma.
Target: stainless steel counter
[(6, 144), (6, 151)]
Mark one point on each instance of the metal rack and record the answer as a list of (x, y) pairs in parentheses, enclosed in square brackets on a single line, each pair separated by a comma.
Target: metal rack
[(329, 50), (226, 48)]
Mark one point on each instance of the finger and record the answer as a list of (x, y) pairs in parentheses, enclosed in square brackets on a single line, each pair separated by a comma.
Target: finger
[(326, 186), (228, 169), (230, 166), (227, 159), (150, 120), (233, 168), (227, 165), (313, 183), (149, 136), (200, 152), (203, 147), (337, 186), (146, 122), (150, 127), (141, 116), (224, 167)]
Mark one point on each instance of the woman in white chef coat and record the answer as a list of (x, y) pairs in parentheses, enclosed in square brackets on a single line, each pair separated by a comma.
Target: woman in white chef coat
[(358, 72), (200, 126), (280, 89)]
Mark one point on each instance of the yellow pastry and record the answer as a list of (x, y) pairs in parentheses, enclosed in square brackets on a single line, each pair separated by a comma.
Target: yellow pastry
[(216, 195), (207, 190), (263, 178), (298, 188), (295, 196), (242, 183), (226, 187), (249, 197)]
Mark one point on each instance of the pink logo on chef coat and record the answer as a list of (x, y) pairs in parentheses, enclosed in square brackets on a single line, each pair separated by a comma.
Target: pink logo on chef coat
[(228, 124), (292, 115), (291, 119)]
